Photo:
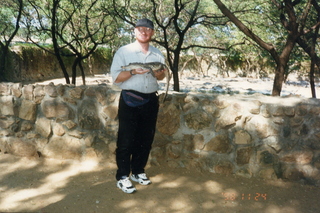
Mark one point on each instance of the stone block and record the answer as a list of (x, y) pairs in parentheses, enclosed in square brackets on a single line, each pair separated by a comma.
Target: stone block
[(112, 96), (90, 154), (160, 140), (243, 155), (260, 126), (76, 92), (6, 105), (70, 100), (76, 133), (297, 157), (168, 121), (296, 121), (289, 111), (69, 124), (22, 148), (16, 89), (221, 103), (4, 89), (191, 98), (198, 120), (292, 173), (268, 174), (242, 137), (51, 90), (27, 110), (315, 110), (286, 131), (54, 108), (278, 120), (27, 92), (88, 117), (246, 173), (254, 107), (61, 89), (264, 111), (90, 92), (63, 148), (188, 143), (158, 153), (88, 140), (225, 168), (273, 142), (173, 151), (3, 144), (113, 147), (58, 129), (265, 157), (276, 110), (38, 93), (26, 126), (111, 111), (317, 162), (198, 142), (43, 127), (229, 117), (219, 144), (302, 109), (210, 109), (101, 95)]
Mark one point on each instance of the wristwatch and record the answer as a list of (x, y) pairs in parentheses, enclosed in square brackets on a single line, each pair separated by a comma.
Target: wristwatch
[(131, 72)]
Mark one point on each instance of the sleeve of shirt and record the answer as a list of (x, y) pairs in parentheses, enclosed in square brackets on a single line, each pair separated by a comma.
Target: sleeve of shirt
[(115, 69)]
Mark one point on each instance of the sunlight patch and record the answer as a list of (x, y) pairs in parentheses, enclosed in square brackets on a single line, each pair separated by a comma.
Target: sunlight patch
[(173, 184), (213, 187), (128, 204), (277, 209), (179, 204)]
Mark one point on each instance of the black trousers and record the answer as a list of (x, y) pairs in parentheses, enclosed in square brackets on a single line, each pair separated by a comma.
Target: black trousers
[(135, 136)]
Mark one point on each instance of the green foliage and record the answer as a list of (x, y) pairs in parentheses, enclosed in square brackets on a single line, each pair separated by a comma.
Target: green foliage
[(111, 26), (103, 55)]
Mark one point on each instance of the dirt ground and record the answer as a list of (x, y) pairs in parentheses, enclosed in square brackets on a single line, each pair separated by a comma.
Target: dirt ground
[(47, 185)]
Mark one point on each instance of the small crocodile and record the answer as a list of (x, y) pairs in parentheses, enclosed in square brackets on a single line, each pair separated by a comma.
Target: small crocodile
[(152, 67)]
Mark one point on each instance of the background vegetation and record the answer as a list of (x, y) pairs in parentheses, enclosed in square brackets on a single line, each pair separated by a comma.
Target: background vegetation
[(257, 37)]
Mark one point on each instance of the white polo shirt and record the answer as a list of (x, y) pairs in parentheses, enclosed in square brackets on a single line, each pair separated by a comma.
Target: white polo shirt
[(131, 53)]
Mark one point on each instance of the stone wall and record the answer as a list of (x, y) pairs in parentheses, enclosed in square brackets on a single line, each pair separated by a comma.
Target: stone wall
[(256, 135), (32, 64)]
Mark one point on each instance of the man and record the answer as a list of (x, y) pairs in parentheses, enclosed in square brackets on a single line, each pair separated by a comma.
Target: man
[(138, 106)]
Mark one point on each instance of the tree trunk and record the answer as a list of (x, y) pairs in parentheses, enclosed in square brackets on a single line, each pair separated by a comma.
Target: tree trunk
[(176, 85), (175, 70), (311, 74), (55, 41), (278, 80), (82, 73), (4, 53)]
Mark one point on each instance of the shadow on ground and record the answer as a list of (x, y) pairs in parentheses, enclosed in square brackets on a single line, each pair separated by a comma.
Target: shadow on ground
[(64, 186)]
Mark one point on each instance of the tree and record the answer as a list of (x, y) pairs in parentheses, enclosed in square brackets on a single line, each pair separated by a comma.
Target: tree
[(178, 25), (308, 43), (10, 15), (75, 27), (84, 26), (41, 22), (295, 26)]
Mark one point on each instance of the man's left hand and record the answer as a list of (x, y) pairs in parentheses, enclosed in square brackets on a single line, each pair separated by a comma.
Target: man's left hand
[(160, 74)]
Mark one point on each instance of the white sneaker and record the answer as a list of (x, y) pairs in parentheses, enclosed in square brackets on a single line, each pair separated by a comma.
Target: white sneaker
[(126, 186), (141, 178)]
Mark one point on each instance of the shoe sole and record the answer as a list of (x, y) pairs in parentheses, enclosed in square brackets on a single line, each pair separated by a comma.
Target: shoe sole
[(140, 182), (126, 191)]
